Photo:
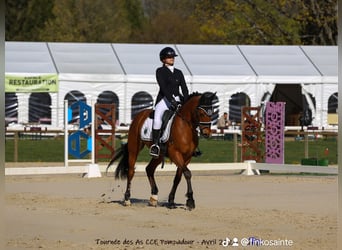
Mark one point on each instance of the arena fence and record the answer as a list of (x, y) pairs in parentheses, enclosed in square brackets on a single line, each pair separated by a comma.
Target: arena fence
[(247, 168)]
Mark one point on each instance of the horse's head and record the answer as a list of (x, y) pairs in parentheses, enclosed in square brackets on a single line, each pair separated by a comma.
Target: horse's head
[(205, 111)]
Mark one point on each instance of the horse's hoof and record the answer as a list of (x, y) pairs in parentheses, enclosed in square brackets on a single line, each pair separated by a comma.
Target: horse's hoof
[(127, 203), (190, 204), (171, 205), (153, 201)]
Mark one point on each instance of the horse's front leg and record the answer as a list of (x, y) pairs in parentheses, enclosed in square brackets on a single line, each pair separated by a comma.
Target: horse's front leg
[(150, 169), (190, 202), (172, 194)]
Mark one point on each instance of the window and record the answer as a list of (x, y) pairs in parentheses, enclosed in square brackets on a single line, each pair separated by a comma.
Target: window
[(265, 98), (236, 102), (333, 103), (332, 109), (11, 108), (216, 113), (140, 101), (72, 97), (108, 97), (40, 108)]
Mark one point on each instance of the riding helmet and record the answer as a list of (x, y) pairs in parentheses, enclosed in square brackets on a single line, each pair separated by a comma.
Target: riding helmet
[(167, 52)]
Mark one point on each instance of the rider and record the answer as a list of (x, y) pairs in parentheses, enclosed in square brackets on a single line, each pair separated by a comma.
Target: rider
[(169, 80)]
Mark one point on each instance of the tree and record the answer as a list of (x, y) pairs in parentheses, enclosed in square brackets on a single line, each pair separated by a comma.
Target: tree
[(245, 22), (88, 21), (169, 21), (267, 21), (319, 22), (173, 21), (25, 19)]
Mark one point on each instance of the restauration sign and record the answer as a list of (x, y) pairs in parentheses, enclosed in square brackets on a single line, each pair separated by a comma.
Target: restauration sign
[(37, 83)]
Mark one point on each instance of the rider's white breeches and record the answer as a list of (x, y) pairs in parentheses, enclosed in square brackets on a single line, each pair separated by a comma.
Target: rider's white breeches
[(159, 110)]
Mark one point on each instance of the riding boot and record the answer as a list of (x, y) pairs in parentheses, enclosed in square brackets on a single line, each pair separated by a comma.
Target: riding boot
[(155, 150)]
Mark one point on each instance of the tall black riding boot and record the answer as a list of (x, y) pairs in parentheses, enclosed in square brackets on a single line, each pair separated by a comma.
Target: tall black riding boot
[(155, 150)]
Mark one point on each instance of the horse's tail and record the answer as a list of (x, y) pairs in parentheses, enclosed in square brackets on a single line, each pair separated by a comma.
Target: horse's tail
[(121, 170)]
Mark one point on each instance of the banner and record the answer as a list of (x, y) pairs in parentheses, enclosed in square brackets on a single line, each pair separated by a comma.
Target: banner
[(39, 83)]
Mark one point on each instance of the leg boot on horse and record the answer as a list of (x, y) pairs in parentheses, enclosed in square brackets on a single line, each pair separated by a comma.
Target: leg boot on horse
[(150, 169)]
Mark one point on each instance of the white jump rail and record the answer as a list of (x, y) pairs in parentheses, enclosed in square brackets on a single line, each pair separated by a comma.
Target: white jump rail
[(140, 167)]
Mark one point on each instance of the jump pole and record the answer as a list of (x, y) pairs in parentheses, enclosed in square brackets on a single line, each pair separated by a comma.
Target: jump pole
[(92, 169), (66, 134)]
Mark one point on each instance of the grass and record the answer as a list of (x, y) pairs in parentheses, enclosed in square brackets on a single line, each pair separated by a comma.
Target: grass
[(214, 151)]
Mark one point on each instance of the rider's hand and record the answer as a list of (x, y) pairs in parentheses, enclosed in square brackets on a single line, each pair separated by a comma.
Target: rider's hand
[(174, 105)]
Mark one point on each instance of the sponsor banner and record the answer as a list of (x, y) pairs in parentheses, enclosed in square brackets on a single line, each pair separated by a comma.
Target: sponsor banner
[(38, 83)]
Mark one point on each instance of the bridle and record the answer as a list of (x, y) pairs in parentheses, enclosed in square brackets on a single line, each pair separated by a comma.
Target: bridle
[(208, 110)]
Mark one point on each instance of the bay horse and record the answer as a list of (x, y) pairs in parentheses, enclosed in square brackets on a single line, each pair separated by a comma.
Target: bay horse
[(195, 113)]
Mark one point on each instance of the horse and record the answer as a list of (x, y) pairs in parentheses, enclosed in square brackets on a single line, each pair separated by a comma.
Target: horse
[(183, 141)]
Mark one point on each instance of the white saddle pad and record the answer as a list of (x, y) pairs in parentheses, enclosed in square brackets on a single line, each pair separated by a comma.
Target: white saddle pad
[(146, 130)]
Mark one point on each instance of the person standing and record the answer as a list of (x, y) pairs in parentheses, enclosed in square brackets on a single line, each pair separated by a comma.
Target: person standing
[(170, 81)]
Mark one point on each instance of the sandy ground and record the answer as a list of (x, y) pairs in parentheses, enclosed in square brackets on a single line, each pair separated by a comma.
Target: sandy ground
[(71, 212)]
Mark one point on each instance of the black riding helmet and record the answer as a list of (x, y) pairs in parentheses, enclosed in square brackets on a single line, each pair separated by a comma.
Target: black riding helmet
[(166, 53)]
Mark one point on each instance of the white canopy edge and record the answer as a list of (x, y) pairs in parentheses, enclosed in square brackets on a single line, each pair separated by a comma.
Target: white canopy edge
[(92, 77)]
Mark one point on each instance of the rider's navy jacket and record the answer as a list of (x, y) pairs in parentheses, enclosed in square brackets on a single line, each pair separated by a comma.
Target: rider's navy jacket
[(169, 83)]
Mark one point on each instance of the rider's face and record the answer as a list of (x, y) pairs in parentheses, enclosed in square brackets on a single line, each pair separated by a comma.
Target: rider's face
[(169, 61)]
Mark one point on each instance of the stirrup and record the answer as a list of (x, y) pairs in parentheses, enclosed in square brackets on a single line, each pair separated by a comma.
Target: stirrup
[(155, 150)]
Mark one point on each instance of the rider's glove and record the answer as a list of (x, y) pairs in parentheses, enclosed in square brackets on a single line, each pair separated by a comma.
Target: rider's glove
[(174, 105)]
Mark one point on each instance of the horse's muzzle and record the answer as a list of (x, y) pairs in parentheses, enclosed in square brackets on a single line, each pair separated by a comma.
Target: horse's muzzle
[(206, 134), (205, 129)]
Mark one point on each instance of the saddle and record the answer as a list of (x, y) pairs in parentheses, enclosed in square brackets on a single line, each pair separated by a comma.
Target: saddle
[(167, 120)]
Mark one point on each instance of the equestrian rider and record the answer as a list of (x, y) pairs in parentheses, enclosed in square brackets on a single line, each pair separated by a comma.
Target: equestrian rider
[(169, 80)]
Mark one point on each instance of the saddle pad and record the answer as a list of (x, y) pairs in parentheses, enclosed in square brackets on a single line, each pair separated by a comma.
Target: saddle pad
[(146, 130)]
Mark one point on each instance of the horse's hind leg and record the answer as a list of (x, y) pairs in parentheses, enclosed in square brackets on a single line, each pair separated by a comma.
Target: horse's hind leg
[(127, 201), (150, 169), (132, 157)]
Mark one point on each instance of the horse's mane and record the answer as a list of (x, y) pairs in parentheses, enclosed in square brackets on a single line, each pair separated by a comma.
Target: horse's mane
[(193, 94), (204, 96)]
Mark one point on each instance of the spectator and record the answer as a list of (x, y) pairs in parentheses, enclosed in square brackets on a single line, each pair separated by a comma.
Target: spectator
[(223, 122)]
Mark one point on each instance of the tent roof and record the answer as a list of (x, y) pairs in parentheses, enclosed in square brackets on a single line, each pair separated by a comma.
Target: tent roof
[(216, 62), (86, 58), (28, 57), (143, 58), (281, 64), (199, 63), (324, 58)]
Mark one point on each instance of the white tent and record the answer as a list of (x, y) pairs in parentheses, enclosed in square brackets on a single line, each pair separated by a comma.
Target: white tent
[(128, 69), (27, 59)]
